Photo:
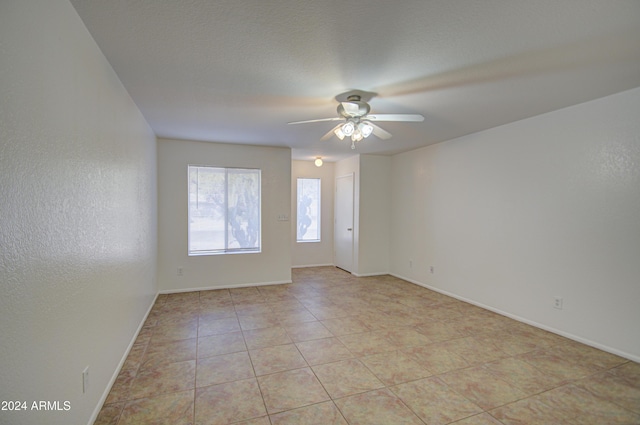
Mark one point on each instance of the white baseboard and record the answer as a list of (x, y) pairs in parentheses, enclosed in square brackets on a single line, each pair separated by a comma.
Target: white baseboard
[(369, 274), (573, 337), (105, 394), (312, 265)]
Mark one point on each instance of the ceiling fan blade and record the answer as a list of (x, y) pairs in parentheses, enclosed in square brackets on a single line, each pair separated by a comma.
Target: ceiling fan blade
[(395, 117), (329, 133), (318, 120), (380, 133)]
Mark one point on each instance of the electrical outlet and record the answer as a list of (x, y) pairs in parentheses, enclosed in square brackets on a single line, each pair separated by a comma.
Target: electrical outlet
[(410, 263), (85, 380), (432, 269), (179, 271), (557, 303)]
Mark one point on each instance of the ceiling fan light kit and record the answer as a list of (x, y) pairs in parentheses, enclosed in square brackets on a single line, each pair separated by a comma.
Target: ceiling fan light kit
[(358, 125)]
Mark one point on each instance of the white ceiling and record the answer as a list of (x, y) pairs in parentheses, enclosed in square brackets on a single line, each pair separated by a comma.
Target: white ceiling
[(237, 71)]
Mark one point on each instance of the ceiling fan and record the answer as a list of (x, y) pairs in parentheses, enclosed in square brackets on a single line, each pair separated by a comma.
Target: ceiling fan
[(357, 123)]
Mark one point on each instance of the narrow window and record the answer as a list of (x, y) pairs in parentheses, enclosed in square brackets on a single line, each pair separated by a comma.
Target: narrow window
[(308, 210), (224, 210)]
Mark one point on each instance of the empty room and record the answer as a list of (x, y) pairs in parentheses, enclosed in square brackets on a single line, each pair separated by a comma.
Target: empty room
[(317, 212)]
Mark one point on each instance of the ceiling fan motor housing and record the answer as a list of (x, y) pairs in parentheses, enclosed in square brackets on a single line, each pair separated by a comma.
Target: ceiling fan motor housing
[(353, 107)]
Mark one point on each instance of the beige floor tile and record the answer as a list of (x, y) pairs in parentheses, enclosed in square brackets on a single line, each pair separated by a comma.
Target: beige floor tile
[(286, 306), (325, 413), (379, 407), (395, 320), (405, 337), (629, 372), (475, 351), (590, 357), (276, 359), (481, 387), (436, 358), (212, 310), (307, 331), (223, 368), (168, 378), (329, 312), (618, 385), (395, 367), (325, 350), (174, 313), (266, 337), (252, 309), (292, 389), (173, 331), (174, 408), (367, 343), (208, 327), (258, 321), (556, 365), (256, 421), (346, 325), (530, 411), (136, 356), (580, 407), (183, 297), (121, 388), (434, 402), (366, 332), (346, 377), (228, 403), (248, 297), (438, 331), (221, 344), (110, 414), (161, 353), (522, 375), (213, 294), (482, 419), (513, 343), (295, 317)]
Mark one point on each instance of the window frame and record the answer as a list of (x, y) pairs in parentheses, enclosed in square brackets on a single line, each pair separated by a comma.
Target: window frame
[(226, 250)]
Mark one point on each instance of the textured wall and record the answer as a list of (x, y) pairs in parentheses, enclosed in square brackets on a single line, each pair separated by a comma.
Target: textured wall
[(514, 216), (272, 265), (77, 211)]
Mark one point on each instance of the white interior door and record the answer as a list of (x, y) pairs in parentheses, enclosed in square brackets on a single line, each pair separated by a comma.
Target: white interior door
[(343, 229)]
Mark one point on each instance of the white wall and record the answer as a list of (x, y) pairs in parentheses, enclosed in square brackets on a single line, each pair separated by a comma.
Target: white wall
[(514, 216), (304, 254), (78, 214), (375, 215), (272, 265)]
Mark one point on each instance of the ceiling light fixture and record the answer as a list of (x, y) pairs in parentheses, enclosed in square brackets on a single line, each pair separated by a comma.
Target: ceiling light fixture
[(318, 161), (355, 129), (365, 128), (348, 128)]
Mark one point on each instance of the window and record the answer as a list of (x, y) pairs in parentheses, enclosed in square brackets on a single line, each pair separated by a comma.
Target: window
[(308, 210), (224, 210)]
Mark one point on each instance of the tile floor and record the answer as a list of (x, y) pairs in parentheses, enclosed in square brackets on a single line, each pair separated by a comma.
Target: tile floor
[(331, 348)]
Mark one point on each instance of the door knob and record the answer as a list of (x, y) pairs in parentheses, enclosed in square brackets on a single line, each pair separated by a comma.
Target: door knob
[(349, 229)]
